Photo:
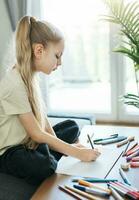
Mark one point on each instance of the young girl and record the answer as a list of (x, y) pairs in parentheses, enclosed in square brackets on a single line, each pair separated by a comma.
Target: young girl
[(29, 146)]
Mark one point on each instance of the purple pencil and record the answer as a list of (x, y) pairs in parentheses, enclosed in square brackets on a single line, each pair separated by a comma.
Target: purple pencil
[(136, 153)]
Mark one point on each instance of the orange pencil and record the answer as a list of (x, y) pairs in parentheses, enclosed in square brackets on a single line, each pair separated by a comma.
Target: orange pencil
[(85, 183)]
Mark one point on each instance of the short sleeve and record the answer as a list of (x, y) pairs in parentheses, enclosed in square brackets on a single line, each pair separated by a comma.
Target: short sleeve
[(16, 101)]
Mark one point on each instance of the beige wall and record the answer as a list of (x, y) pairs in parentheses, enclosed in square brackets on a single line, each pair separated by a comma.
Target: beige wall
[(5, 34)]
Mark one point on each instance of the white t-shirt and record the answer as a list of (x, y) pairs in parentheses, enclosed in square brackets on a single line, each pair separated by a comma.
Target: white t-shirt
[(13, 101)]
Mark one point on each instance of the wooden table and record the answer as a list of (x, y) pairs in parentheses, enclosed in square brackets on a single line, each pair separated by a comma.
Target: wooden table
[(49, 188)]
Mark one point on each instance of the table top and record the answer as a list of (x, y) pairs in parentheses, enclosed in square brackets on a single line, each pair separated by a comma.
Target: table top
[(49, 190)]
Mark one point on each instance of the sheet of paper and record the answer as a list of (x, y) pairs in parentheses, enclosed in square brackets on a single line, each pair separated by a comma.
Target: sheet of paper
[(99, 168)]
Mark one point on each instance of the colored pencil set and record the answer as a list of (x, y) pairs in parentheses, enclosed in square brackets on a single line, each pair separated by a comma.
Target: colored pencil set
[(109, 140), (87, 190), (85, 187), (123, 190), (132, 155), (93, 191)]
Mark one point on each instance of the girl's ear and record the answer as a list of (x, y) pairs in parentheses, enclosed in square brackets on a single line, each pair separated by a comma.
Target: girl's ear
[(38, 50)]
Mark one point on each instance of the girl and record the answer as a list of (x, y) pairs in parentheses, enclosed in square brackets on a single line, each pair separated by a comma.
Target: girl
[(29, 146)]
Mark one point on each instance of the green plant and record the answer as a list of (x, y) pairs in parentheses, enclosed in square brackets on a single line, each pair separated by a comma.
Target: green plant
[(127, 16)]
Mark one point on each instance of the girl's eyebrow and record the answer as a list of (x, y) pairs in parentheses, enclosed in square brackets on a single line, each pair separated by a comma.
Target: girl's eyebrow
[(60, 54)]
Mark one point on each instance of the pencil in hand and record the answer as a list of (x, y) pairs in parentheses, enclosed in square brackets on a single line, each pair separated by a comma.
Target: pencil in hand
[(90, 141), (90, 137)]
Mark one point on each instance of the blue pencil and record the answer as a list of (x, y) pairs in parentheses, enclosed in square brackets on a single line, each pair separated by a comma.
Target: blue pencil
[(94, 180), (92, 191), (124, 177)]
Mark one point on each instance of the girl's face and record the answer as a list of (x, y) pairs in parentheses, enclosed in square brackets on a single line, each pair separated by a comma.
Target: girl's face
[(48, 59)]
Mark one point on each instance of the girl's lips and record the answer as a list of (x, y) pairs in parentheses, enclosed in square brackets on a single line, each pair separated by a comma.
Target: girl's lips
[(54, 68)]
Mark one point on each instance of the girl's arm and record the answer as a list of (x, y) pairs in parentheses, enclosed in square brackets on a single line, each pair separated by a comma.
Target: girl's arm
[(37, 134), (49, 128)]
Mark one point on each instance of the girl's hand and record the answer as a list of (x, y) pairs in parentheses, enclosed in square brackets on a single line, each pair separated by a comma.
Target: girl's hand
[(85, 154)]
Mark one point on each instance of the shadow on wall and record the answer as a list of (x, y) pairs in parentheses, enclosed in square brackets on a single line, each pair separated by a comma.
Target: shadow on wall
[(6, 40), (8, 60)]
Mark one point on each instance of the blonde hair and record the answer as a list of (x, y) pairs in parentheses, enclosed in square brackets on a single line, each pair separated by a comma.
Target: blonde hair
[(28, 32)]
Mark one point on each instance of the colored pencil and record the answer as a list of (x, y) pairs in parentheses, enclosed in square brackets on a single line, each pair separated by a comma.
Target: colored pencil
[(124, 177), (95, 180), (92, 191), (127, 187), (134, 164), (71, 193), (113, 140), (115, 194), (113, 165), (107, 138), (136, 153), (124, 153), (130, 187), (85, 183), (90, 137), (135, 159), (129, 139), (130, 148), (90, 141), (84, 194), (132, 193), (124, 192), (126, 148)]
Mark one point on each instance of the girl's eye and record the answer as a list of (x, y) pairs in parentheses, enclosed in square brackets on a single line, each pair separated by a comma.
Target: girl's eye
[(57, 56)]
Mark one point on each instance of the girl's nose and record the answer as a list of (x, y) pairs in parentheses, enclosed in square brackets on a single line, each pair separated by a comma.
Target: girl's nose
[(59, 62)]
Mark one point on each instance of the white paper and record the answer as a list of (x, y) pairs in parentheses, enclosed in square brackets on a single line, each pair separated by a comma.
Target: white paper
[(99, 168)]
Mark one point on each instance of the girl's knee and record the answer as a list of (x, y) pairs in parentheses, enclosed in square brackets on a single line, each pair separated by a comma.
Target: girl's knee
[(39, 175), (45, 166)]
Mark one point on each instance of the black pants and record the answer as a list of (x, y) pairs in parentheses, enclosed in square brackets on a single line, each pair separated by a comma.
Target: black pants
[(36, 165)]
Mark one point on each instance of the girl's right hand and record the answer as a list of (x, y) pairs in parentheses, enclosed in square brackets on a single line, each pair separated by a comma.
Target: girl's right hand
[(86, 155)]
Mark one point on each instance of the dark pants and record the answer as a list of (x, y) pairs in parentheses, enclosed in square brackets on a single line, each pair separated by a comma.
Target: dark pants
[(36, 165)]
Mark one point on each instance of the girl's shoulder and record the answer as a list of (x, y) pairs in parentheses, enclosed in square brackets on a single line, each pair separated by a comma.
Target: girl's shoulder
[(10, 81), (12, 75)]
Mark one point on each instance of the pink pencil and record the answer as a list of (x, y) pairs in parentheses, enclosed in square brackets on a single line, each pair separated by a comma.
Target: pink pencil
[(134, 164), (136, 153), (135, 159), (132, 150), (132, 147)]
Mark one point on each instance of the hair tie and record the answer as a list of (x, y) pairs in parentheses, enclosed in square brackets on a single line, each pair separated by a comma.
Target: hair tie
[(32, 20)]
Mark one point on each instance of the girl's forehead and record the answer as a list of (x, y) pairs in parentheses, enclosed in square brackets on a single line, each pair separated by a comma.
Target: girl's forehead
[(59, 46)]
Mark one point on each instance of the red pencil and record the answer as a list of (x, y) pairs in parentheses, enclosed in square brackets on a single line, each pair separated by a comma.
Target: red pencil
[(132, 150), (127, 187), (135, 159), (134, 164), (125, 192)]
